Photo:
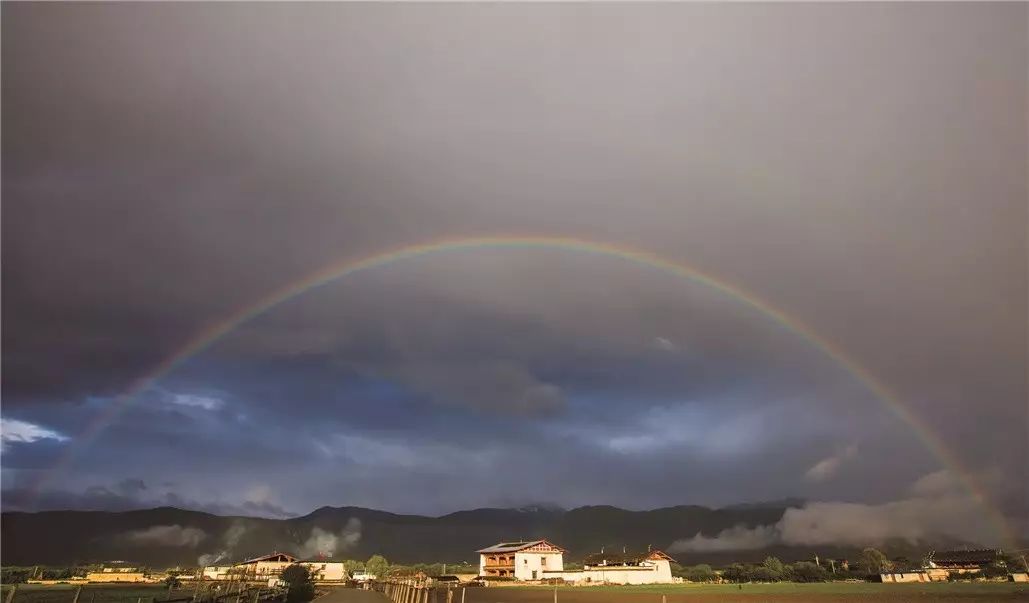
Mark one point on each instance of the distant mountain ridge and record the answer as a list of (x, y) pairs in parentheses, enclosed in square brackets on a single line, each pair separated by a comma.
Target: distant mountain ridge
[(169, 536)]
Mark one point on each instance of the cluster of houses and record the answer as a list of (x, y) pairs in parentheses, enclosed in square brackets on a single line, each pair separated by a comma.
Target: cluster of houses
[(941, 566), (541, 560), (537, 561), (269, 567)]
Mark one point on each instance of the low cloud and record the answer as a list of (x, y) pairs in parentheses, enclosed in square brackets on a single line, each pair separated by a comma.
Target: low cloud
[(322, 542), (15, 431), (830, 466), (736, 538), (171, 535), (930, 513), (130, 494), (197, 401)]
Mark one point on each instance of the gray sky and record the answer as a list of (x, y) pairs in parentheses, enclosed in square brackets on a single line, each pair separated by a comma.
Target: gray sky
[(860, 167)]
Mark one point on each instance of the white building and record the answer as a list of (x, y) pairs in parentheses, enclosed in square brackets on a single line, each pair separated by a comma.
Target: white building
[(263, 568), (326, 570), (652, 567), (521, 560), (216, 572)]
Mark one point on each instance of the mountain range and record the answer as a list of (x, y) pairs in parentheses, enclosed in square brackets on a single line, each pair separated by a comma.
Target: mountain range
[(169, 536)]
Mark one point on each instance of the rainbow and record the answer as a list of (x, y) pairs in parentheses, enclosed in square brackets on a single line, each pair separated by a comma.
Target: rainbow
[(348, 266)]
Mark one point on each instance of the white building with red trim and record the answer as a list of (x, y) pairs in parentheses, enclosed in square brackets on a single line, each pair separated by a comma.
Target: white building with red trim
[(542, 560), (523, 560)]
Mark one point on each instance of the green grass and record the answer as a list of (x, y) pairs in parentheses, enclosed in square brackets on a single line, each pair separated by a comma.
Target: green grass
[(91, 593), (818, 588)]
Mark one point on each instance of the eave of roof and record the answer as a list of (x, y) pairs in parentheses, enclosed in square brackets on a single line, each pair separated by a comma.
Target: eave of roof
[(514, 547)]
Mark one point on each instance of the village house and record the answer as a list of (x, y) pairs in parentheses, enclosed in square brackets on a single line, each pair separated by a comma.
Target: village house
[(908, 576), (326, 569), (118, 574), (524, 560), (651, 567), (941, 564), (266, 567), (542, 560), (270, 567)]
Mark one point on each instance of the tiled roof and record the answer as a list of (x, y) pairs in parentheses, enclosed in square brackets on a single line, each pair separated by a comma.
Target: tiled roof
[(976, 557), (624, 558), (512, 547), (283, 557)]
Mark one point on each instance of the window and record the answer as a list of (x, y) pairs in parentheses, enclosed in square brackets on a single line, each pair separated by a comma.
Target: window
[(543, 561), (526, 561)]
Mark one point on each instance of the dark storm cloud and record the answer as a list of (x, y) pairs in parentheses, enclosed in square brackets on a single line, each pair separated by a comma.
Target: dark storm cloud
[(861, 168)]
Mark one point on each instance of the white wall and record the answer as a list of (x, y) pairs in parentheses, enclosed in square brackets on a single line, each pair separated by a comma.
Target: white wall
[(528, 562), (655, 572), (327, 570)]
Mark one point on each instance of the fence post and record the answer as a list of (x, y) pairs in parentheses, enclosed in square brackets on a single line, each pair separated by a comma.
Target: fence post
[(10, 594), (664, 598), (462, 594), (78, 591), (450, 596)]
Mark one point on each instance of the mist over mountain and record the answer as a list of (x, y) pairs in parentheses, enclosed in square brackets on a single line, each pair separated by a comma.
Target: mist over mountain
[(170, 536)]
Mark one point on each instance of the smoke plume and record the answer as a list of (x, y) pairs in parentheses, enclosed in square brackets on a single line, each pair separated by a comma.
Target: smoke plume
[(324, 543), (173, 535)]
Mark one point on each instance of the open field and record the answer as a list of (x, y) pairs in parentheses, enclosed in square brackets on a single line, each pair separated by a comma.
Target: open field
[(785, 592), (92, 593), (685, 593)]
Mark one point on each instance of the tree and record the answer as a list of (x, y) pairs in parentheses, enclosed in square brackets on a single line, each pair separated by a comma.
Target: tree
[(737, 572), (874, 561), (805, 571), (301, 588), (377, 565), (699, 573), (172, 582), (775, 568)]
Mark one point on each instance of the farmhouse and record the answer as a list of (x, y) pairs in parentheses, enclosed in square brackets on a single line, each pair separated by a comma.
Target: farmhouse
[(543, 560), (263, 568), (969, 561), (216, 572), (910, 576), (118, 573), (524, 560), (652, 567), (116, 576), (326, 570)]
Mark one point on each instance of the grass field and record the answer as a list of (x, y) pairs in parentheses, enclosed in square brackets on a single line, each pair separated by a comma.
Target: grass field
[(818, 587), (91, 593), (784, 592)]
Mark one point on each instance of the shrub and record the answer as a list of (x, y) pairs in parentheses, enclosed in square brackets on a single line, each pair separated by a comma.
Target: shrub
[(301, 588), (805, 571), (699, 573)]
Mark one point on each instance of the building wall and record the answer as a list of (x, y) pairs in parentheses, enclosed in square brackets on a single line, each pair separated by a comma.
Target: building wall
[(216, 572), (496, 564), (656, 572), (527, 562), (265, 569), (327, 571), (116, 577), (905, 577)]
